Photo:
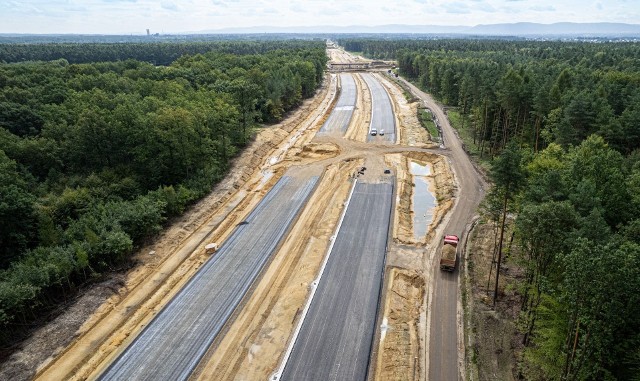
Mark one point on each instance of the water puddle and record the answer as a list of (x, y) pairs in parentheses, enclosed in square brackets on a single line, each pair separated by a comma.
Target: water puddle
[(283, 151), (419, 170), (383, 329), (266, 176), (424, 202)]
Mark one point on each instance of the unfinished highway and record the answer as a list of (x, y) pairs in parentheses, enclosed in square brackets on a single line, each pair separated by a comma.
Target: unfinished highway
[(176, 339), (234, 319), (341, 114), (336, 336), (382, 116)]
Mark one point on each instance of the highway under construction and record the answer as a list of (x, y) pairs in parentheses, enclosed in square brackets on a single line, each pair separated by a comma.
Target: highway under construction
[(319, 273)]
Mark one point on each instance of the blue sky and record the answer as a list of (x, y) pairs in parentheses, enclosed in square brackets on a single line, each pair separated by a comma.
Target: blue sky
[(176, 16)]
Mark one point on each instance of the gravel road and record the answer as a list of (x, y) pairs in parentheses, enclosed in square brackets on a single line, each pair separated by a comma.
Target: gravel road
[(444, 336)]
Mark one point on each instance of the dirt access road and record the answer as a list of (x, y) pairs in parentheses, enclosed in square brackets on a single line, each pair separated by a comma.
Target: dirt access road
[(446, 345), (254, 341)]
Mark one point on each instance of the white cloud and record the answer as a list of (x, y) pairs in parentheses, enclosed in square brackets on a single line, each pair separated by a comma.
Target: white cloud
[(297, 7), (543, 8), (169, 5), (457, 7), (175, 16), (329, 12), (76, 8), (485, 7)]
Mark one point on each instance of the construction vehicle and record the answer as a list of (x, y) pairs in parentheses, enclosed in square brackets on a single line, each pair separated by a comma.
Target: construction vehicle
[(448, 256)]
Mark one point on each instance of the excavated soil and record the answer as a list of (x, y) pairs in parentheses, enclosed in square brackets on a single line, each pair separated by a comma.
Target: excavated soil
[(339, 55), (403, 332), (441, 185), (255, 342), (359, 127), (399, 342)]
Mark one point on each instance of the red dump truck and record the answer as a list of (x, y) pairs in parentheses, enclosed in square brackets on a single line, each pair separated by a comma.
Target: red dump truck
[(448, 255)]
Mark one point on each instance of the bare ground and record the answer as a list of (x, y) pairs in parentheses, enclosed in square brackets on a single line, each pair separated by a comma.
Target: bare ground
[(359, 126), (253, 346), (400, 351), (441, 185), (493, 339), (399, 344), (256, 340), (339, 55)]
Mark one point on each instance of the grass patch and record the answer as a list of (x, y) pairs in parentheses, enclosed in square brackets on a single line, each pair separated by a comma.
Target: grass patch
[(426, 120), (410, 98), (408, 95)]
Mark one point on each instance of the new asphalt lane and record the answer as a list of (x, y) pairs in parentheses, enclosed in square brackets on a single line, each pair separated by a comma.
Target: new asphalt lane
[(336, 336), (176, 339), (382, 116), (343, 111)]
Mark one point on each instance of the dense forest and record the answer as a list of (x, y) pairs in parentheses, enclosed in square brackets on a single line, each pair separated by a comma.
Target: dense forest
[(96, 156), (156, 51), (560, 124)]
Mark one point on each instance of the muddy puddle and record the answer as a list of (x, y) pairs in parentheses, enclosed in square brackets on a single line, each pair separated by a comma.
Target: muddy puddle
[(424, 202), (266, 176)]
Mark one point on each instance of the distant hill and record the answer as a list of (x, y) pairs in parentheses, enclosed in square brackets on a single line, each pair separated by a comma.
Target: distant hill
[(514, 29), (560, 29), (520, 30), (331, 29)]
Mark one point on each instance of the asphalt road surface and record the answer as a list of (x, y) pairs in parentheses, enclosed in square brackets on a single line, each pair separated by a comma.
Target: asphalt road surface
[(382, 116), (343, 111), (443, 336), (176, 339), (335, 341)]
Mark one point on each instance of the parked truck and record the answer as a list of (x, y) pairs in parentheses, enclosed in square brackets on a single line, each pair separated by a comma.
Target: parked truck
[(448, 256)]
